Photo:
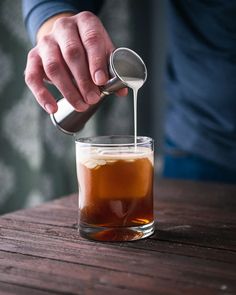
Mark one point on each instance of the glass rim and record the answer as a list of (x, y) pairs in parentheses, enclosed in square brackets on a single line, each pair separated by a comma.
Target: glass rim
[(90, 141)]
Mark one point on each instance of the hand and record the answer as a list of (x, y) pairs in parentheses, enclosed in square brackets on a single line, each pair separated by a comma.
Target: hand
[(72, 53)]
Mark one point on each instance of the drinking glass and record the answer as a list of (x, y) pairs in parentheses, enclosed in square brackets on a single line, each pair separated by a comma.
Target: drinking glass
[(115, 179)]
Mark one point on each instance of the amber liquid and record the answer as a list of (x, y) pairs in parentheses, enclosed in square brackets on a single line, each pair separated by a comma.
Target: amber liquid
[(116, 192)]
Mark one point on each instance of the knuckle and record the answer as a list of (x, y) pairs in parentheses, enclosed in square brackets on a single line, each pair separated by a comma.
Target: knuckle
[(52, 67), (85, 15), (46, 39), (69, 94), (71, 50), (92, 37), (30, 78), (62, 22), (32, 53), (41, 95)]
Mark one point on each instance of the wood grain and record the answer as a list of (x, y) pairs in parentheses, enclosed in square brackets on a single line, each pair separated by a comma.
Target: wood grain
[(193, 249)]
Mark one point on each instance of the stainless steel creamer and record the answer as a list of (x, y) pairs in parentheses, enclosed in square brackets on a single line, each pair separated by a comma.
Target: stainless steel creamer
[(125, 65)]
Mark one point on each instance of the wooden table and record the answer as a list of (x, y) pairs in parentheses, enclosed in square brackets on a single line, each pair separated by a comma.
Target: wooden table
[(192, 251)]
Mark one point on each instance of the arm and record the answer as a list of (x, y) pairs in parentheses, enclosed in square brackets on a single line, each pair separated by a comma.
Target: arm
[(70, 47)]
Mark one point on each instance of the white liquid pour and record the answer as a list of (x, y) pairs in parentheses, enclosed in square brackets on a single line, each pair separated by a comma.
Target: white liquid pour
[(134, 84)]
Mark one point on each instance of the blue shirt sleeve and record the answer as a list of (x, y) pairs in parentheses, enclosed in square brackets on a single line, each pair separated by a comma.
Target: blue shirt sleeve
[(36, 12)]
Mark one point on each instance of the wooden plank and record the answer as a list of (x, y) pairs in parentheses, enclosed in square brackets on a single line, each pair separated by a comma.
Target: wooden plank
[(177, 223), (178, 203), (167, 211), (54, 275), (164, 266), (199, 235), (212, 232), (47, 215), (160, 243), (195, 192), (60, 212), (192, 251), (172, 198), (16, 289), (72, 278)]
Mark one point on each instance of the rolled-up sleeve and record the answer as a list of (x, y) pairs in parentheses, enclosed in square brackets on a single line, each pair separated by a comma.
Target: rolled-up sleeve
[(36, 12)]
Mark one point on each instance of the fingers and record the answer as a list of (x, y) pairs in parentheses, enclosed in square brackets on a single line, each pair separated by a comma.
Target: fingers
[(57, 71), (75, 57), (97, 46), (34, 75)]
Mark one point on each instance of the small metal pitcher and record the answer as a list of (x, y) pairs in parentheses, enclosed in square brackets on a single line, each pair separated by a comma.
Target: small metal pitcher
[(124, 64)]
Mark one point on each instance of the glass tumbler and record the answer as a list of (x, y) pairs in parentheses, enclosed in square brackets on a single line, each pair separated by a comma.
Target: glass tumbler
[(115, 179)]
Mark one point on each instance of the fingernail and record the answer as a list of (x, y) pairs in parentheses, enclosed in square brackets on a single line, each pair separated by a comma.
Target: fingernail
[(92, 97), (49, 108), (100, 77)]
